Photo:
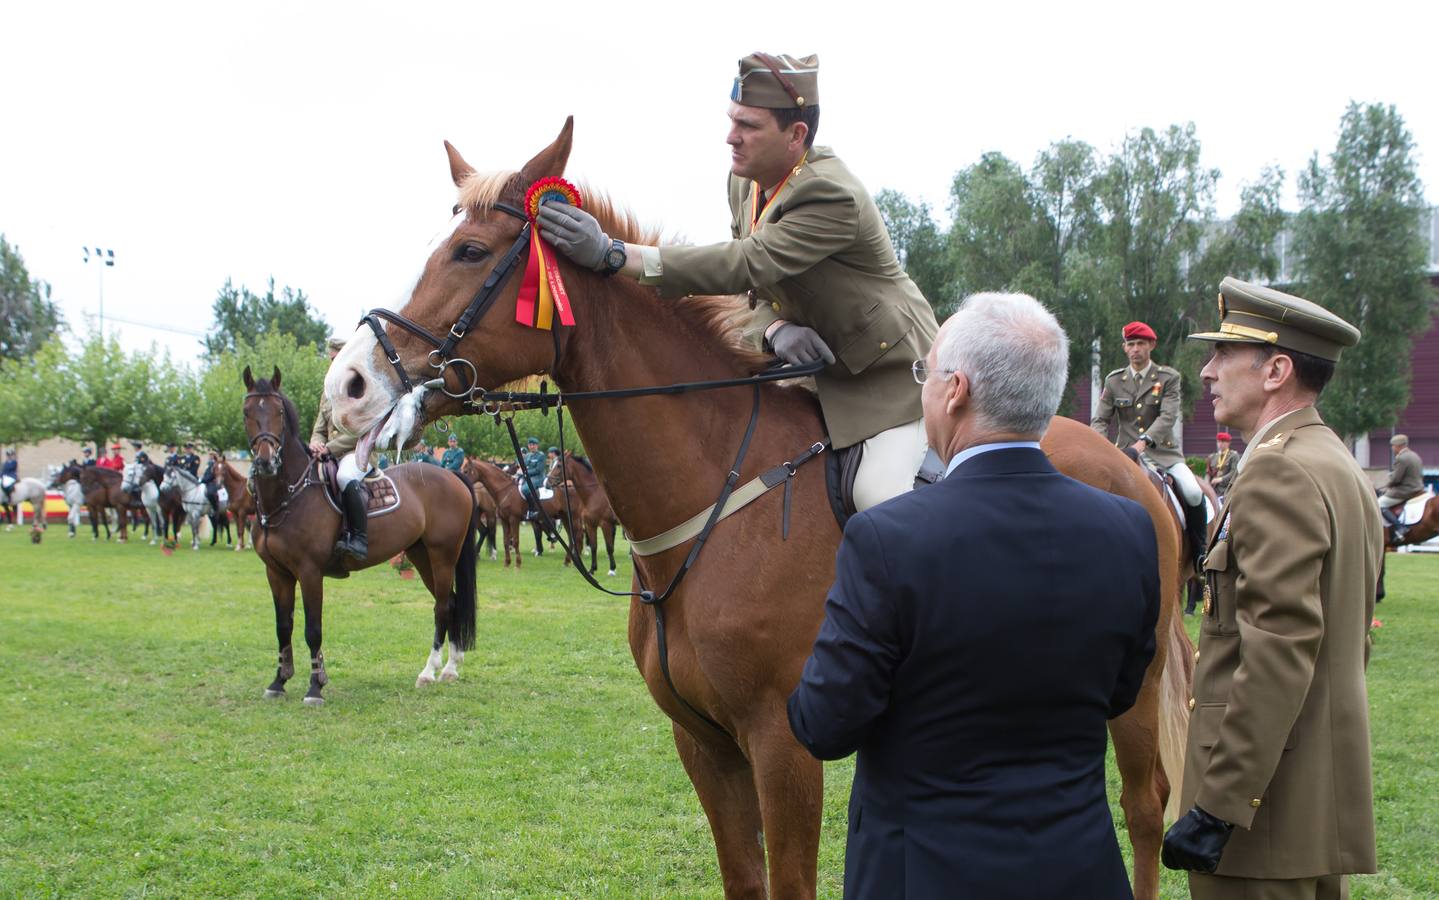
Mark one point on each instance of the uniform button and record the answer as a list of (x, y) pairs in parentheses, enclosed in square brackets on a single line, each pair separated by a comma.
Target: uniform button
[(1256, 803), (1191, 704), (884, 345), (775, 306)]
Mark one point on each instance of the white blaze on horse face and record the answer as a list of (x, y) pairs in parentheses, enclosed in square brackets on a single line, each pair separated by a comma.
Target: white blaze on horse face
[(360, 359)]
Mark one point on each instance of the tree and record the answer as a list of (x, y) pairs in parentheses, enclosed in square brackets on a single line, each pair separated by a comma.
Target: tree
[(27, 317), (242, 316), (993, 232), (29, 395), (214, 414), (1362, 257), (919, 244)]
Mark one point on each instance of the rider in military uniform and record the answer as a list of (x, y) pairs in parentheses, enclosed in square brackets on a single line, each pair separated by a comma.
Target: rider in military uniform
[(1219, 467), (810, 246), (1277, 775), (1144, 397), (1406, 481), (172, 455), (454, 457), (328, 440), (534, 462), (89, 459), (189, 460), (423, 454), (9, 477)]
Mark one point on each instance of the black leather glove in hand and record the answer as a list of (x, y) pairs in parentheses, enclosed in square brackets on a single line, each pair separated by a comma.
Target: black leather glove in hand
[(575, 233), (1196, 842), (796, 345)]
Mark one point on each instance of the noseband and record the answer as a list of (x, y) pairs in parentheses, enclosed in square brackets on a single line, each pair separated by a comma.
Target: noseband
[(275, 440), (441, 357)]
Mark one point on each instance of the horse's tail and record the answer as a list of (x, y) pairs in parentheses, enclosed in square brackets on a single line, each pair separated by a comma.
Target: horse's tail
[(462, 590), (1175, 685)]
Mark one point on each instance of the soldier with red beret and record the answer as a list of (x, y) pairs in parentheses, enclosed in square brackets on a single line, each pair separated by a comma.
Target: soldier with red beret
[(1143, 398), (1219, 468)]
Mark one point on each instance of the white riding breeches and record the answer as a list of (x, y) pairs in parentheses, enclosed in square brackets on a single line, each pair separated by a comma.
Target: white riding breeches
[(891, 459), (349, 470), (1186, 482), (1387, 502)]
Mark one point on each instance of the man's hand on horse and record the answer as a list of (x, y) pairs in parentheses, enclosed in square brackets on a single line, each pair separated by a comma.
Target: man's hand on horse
[(797, 345), (317, 448), (575, 233)]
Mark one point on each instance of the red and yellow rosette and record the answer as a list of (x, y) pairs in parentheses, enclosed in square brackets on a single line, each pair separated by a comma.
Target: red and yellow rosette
[(542, 292)]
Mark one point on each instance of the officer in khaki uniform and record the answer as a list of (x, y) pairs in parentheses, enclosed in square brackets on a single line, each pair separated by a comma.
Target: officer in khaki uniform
[(1144, 398), (1219, 466), (811, 248), (326, 438), (1277, 777)]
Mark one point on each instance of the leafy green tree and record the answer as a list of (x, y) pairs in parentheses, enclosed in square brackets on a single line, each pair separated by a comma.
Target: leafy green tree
[(919, 244), (30, 394), (481, 436), (993, 232), (213, 413), (242, 316), (1363, 257), (27, 316)]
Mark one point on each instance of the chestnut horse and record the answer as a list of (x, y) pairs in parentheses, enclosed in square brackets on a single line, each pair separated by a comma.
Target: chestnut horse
[(510, 506), (103, 492), (595, 512), (1420, 531), (296, 528), (241, 504), (741, 625), (485, 503)]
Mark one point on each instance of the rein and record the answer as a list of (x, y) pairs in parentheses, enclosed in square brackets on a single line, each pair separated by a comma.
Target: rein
[(292, 490)]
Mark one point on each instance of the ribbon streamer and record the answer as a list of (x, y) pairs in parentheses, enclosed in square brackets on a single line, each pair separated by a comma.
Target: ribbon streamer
[(542, 291)]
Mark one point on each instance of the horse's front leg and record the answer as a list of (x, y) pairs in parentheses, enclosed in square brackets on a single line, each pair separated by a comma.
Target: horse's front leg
[(282, 589), (312, 588)]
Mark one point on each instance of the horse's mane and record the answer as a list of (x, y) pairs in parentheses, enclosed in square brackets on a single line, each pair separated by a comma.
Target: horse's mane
[(721, 317), (292, 415), (582, 461)]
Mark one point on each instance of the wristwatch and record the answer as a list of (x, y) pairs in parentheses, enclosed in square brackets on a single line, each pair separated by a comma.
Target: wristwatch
[(614, 258), (1149, 441)]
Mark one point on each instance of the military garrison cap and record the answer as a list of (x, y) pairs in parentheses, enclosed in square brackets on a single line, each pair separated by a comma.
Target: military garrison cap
[(777, 82), (335, 344), (1252, 314)]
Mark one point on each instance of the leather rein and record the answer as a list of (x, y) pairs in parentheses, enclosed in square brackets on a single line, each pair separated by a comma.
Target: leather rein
[(277, 516)]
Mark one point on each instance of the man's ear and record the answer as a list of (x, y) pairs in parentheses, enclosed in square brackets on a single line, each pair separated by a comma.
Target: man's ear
[(956, 393)]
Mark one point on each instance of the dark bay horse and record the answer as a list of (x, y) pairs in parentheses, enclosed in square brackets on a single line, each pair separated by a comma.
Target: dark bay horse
[(595, 513), (296, 528), (241, 505), (510, 506), (103, 492), (741, 626), (485, 503)]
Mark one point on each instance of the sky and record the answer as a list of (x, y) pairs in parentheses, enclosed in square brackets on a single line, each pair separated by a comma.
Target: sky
[(303, 141)]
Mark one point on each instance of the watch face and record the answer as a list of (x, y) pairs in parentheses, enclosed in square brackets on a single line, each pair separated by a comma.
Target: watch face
[(615, 258)]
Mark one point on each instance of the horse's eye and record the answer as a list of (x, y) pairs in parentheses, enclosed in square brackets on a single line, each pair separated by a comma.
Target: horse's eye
[(470, 253), (456, 210)]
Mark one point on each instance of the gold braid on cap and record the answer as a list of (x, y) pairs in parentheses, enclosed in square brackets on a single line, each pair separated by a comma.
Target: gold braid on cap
[(784, 82), (1268, 337)]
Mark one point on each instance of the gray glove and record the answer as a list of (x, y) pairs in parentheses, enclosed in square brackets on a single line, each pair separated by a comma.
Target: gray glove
[(796, 345), (575, 233)]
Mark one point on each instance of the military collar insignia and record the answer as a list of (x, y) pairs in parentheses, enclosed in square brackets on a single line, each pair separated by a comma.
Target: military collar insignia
[(1272, 441)]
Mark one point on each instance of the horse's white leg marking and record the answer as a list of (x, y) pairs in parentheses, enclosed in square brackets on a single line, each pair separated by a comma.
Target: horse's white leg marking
[(452, 668), (427, 674)]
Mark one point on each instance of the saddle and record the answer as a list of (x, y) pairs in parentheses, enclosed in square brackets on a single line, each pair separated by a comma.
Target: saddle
[(381, 496), (841, 467), (1413, 509)]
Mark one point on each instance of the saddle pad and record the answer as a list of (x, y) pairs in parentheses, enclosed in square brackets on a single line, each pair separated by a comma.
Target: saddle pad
[(380, 495), (1413, 510)]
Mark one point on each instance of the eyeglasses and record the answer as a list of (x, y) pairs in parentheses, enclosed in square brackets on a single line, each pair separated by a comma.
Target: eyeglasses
[(921, 371)]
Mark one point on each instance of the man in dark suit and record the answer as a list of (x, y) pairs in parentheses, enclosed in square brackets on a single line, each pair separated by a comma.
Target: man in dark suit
[(979, 635)]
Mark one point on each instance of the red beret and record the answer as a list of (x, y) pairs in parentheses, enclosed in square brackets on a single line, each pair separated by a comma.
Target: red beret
[(1222, 436), (1136, 330)]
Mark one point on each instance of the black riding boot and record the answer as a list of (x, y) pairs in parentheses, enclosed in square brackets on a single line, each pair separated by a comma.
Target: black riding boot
[(355, 541), (1197, 531)]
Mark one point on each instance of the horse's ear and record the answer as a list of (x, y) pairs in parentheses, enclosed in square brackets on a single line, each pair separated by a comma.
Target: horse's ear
[(275, 381), (249, 379), (551, 160), (459, 169)]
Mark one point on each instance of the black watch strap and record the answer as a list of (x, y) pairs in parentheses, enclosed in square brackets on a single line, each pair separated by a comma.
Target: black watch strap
[(614, 258)]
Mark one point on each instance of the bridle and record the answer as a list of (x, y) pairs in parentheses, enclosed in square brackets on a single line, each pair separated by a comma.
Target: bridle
[(441, 358), (268, 519)]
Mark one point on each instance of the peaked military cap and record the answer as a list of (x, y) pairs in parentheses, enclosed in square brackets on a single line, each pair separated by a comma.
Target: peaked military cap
[(777, 82), (335, 344), (1253, 314)]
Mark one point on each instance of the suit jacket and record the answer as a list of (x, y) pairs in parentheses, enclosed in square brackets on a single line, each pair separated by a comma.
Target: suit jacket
[(979, 635), (1406, 476), (1147, 405), (821, 257), (1279, 736)]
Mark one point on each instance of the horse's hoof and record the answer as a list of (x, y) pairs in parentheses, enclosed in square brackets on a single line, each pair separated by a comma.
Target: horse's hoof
[(424, 679), (272, 694), (449, 675), (316, 700), (613, 573)]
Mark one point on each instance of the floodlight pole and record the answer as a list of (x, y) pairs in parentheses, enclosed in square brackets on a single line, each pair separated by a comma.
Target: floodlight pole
[(104, 259)]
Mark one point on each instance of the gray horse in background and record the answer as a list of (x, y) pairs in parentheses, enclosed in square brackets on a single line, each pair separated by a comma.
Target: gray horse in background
[(192, 497)]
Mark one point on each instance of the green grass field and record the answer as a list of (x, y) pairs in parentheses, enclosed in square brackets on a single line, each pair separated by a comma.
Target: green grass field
[(137, 757)]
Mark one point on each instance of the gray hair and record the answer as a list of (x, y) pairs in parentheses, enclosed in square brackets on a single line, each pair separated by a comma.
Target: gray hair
[(1015, 356)]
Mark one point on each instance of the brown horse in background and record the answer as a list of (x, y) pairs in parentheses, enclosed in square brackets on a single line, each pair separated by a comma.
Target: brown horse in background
[(241, 505), (596, 514), (485, 503), (296, 528), (103, 492), (741, 625)]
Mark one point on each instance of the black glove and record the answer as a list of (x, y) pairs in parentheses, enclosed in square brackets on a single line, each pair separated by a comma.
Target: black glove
[(796, 345), (1196, 842), (575, 233)]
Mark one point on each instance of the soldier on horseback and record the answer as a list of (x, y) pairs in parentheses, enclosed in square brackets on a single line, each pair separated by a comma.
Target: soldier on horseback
[(328, 440), (1144, 397), (535, 468), (9, 475), (189, 460)]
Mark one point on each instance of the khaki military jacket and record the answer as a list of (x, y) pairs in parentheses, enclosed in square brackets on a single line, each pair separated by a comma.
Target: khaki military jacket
[(821, 257), (1406, 476), (1279, 729), (1143, 405), (338, 442), (1219, 468)]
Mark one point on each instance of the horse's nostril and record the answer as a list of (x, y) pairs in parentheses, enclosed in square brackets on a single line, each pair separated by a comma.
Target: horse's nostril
[(355, 387)]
